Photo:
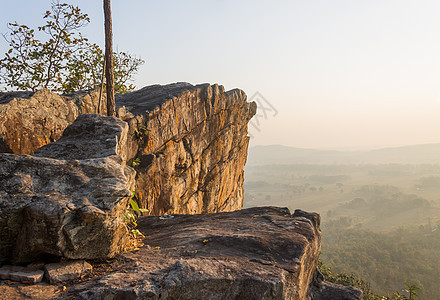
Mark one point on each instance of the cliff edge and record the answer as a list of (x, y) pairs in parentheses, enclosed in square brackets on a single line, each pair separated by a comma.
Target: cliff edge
[(188, 144), (182, 149)]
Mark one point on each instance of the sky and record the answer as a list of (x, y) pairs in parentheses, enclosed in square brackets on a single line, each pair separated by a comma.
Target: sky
[(337, 74)]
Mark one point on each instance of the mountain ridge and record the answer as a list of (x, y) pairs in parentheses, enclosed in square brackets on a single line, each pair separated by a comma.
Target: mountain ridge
[(281, 154)]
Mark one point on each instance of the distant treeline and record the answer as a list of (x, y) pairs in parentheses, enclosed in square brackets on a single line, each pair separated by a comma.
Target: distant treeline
[(385, 259)]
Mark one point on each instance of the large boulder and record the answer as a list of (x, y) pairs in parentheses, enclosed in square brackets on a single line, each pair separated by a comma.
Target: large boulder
[(191, 145), (69, 199), (30, 120)]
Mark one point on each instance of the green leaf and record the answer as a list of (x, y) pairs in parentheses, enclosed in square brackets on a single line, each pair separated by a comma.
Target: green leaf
[(134, 205)]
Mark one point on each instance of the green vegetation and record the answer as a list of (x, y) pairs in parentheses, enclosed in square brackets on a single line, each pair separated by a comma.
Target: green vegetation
[(386, 259), (65, 61), (410, 292), (380, 222), (141, 132), (134, 162), (347, 280), (131, 221)]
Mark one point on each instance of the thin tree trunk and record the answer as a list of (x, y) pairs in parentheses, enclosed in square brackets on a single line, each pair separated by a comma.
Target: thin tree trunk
[(102, 87), (109, 77)]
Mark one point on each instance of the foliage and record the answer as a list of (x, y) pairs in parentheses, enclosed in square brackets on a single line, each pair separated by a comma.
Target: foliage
[(386, 259), (355, 281), (131, 219), (347, 280), (141, 131), (134, 162), (411, 290), (385, 227), (66, 61)]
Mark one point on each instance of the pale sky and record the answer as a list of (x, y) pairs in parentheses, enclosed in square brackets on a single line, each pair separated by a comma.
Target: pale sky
[(339, 73)]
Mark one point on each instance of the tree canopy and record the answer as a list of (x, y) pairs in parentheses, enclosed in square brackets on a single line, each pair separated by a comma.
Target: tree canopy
[(65, 60)]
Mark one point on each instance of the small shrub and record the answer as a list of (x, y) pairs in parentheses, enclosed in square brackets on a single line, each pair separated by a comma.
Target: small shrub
[(136, 236)]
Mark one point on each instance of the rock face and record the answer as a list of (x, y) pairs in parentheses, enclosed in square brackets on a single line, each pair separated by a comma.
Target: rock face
[(21, 274), (66, 200), (256, 253), (31, 120), (187, 143), (191, 144), (331, 291)]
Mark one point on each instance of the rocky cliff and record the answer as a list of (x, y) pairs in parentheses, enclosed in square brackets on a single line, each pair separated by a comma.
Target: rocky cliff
[(182, 148), (256, 253), (188, 144), (191, 145)]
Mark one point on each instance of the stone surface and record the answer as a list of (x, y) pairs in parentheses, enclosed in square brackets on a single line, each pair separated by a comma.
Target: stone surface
[(67, 271), (190, 141), (67, 207), (36, 266), (21, 274), (192, 157), (257, 253), (331, 291), (90, 136), (39, 291), (321, 290), (31, 120)]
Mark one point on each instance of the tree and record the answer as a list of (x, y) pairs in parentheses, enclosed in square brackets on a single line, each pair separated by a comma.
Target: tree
[(65, 61), (109, 76)]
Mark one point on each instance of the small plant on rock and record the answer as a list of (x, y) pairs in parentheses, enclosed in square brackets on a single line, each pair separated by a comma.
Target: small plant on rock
[(134, 162), (141, 131), (136, 236)]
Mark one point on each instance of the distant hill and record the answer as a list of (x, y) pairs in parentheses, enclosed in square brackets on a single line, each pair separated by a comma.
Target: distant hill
[(278, 154)]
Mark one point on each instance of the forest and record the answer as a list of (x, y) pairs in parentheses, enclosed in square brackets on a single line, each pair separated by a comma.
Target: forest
[(380, 221)]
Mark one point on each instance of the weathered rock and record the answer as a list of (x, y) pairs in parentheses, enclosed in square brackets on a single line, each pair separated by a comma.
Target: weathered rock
[(31, 120), (67, 271), (88, 102), (39, 291), (39, 265), (90, 136), (257, 253), (321, 290), (67, 207), (331, 291), (193, 154), (21, 274)]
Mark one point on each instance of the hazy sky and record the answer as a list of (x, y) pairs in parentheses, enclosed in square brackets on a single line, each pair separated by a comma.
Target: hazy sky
[(336, 73)]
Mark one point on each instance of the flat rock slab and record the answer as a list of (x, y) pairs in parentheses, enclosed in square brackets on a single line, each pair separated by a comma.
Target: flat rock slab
[(257, 253), (21, 274), (39, 291), (67, 271)]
